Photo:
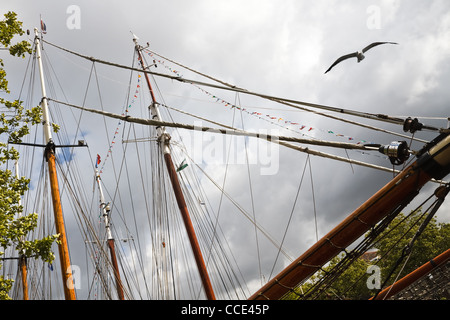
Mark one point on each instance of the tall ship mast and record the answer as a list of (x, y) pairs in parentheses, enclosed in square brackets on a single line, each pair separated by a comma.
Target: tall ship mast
[(63, 248), (164, 140), (105, 207)]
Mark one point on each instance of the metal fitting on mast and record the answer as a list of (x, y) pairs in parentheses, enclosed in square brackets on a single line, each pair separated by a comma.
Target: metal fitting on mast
[(397, 151), (44, 104), (412, 125), (434, 158)]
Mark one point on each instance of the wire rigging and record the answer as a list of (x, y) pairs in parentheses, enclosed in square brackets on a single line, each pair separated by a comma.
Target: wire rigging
[(383, 118), (282, 140), (238, 102), (290, 215), (379, 117)]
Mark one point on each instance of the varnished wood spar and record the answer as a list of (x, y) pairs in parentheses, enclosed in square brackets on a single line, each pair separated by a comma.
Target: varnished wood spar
[(385, 201), (66, 270), (112, 252), (164, 140), (23, 273), (189, 227)]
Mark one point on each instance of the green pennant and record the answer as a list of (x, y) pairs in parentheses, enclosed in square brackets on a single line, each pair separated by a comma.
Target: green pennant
[(182, 166)]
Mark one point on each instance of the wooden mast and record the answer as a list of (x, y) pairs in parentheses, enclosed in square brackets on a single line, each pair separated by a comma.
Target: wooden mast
[(23, 273), (22, 258), (106, 210), (63, 248), (433, 162), (164, 139)]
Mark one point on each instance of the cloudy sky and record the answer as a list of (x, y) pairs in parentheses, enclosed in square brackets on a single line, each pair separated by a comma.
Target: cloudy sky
[(279, 48)]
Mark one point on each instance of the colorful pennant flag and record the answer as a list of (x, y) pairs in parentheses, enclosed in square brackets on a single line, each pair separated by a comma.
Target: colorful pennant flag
[(43, 27), (269, 118), (98, 161)]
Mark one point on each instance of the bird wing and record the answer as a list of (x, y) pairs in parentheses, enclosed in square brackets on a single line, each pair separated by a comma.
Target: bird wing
[(347, 56), (376, 44)]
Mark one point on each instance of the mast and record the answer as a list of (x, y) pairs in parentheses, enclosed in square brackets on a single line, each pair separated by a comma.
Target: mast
[(63, 248), (22, 258), (164, 139), (111, 244), (433, 162)]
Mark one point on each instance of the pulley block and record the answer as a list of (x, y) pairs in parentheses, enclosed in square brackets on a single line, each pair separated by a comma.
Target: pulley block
[(412, 125)]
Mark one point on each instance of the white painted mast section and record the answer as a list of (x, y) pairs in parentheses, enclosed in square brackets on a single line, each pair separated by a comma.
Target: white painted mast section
[(162, 135), (106, 215), (105, 206), (44, 104)]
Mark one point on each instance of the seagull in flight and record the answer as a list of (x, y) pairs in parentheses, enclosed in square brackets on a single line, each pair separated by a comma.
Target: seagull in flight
[(358, 55)]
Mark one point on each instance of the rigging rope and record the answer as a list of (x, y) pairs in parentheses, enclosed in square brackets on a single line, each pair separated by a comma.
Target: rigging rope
[(281, 139), (440, 193), (374, 236), (242, 210), (290, 102), (301, 127), (380, 117), (290, 216), (313, 198), (167, 232), (238, 132), (251, 192)]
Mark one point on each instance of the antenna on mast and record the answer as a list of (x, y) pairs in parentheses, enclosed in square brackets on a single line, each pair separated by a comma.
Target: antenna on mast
[(135, 37)]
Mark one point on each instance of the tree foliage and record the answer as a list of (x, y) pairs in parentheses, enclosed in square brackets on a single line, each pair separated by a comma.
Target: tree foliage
[(353, 282), (14, 125), (434, 240)]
